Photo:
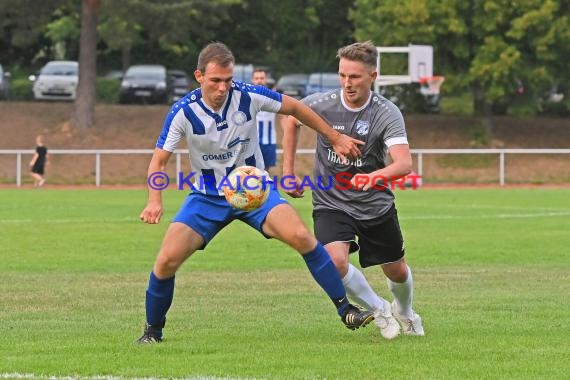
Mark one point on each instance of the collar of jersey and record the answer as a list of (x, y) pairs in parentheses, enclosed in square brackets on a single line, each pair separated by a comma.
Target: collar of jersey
[(354, 109), (213, 114)]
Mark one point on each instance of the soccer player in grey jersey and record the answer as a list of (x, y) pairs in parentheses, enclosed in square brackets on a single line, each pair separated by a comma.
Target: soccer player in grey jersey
[(359, 202)]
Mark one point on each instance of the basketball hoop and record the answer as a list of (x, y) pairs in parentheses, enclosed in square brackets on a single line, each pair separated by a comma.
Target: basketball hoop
[(431, 85)]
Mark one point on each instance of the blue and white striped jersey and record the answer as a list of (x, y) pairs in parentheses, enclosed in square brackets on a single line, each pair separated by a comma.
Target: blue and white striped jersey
[(219, 142), (266, 128)]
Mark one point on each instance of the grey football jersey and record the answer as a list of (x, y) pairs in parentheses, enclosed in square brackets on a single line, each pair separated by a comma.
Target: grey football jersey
[(379, 123)]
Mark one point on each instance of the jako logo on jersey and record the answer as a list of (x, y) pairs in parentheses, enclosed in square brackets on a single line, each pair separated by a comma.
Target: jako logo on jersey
[(362, 127), (217, 157), (339, 127), (221, 125)]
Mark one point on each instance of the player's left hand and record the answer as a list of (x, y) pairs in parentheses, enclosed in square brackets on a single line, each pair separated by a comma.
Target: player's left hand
[(152, 213), (292, 187), (346, 147), (362, 181)]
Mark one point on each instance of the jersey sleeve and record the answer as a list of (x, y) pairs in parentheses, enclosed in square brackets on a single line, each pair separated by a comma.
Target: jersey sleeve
[(265, 99), (395, 133), (173, 131), (309, 100)]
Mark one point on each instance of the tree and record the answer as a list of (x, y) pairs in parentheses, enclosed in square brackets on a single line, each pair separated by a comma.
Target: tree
[(293, 35), (171, 30), (22, 32), (84, 107), (496, 48)]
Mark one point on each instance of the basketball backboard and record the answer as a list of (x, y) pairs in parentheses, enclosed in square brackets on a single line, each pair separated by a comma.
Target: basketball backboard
[(419, 65)]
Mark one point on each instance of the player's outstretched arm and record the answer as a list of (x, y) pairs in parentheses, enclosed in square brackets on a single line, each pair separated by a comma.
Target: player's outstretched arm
[(345, 146), (154, 210), (290, 127), (400, 167)]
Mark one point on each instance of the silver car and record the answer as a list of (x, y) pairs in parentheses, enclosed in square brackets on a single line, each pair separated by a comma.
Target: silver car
[(57, 80), (4, 83)]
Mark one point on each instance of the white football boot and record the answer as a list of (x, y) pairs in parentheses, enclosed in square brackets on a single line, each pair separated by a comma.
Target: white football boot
[(383, 318), (410, 325)]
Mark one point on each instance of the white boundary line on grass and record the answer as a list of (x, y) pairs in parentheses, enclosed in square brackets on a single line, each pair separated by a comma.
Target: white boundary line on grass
[(545, 214), (100, 377), (494, 216), (71, 220)]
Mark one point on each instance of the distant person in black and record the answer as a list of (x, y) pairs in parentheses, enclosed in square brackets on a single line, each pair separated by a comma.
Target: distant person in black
[(38, 163)]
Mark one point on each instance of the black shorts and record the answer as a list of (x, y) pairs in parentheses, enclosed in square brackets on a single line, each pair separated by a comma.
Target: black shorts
[(38, 169), (379, 241)]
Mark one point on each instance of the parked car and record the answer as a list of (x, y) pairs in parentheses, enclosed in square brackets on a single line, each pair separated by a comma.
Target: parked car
[(180, 85), (294, 85), (144, 84), (4, 83), (410, 98), (57, 80), (322, 82)]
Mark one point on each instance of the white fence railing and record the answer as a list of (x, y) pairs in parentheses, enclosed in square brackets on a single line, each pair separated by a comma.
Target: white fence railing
[(419, 152)]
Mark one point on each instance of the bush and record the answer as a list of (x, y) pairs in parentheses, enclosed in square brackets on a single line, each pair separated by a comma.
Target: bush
[(457, 104), (556, 108), (107, 90), (21, 89)]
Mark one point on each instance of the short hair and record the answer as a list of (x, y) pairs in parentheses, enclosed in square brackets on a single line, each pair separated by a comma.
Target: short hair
[(364, 52), (259, 70), (215, 52)]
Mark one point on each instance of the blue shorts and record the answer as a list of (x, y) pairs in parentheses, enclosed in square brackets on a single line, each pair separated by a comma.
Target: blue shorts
[(269, 153), (208, 214)]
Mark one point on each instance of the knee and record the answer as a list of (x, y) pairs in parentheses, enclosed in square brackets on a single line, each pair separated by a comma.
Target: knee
[(302, 240), (396, 272), (166, 264), (341, 265)]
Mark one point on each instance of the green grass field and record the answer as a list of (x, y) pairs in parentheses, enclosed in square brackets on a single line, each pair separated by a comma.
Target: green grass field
[(491, 269)]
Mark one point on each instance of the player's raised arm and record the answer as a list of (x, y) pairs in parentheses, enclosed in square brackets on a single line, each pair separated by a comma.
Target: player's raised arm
[(345, 146), (154, 210), (290, 127)]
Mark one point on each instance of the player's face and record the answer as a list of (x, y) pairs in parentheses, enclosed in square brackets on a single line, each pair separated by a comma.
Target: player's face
[(215, 83), (356, 80), (259, 78)]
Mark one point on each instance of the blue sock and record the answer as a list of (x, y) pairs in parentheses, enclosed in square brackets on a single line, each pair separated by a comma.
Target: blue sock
[(158, 299), (324, 272)]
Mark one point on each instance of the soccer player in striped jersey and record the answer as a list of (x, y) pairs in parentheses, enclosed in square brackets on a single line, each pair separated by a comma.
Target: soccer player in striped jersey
[(218, 122), (366, 210)]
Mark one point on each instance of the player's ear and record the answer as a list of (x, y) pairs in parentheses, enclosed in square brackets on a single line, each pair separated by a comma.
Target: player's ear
[(198, 75), (374, 74)]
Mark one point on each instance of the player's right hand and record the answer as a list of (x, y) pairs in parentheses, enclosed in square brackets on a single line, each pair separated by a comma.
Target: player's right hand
[(346, 147), (152, 213), (292, 187)]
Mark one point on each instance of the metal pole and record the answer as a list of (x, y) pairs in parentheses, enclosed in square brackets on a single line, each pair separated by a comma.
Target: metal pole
[(19, 169), (420, 164), (502, 168), (98, 169)]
